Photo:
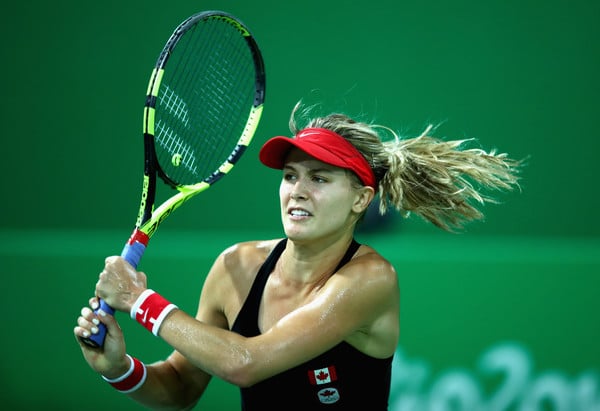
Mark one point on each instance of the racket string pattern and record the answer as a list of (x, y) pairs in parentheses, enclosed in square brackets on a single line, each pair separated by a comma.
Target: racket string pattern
[(175, 105)]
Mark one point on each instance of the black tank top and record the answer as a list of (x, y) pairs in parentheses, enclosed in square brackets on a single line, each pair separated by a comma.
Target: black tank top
[(342, 378)]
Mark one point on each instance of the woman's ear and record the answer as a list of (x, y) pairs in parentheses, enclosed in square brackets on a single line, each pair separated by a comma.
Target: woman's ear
[(364, 198)]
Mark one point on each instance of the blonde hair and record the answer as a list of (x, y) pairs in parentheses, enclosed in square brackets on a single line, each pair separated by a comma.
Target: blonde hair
[(441, 181)]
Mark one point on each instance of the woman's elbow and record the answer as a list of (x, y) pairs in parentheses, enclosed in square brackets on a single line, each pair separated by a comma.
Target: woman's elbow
[(243, 373)]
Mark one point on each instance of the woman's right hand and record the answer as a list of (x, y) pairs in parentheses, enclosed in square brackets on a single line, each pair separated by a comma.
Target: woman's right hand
[(110, 360)]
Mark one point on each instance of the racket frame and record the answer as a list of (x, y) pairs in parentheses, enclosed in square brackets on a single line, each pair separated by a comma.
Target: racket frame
[(149, 218)]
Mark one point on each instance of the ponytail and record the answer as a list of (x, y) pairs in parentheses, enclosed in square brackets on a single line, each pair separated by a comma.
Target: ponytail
[(443, 181)]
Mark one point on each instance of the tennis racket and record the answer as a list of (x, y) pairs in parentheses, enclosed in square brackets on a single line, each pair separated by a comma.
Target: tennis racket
[(203, 104)]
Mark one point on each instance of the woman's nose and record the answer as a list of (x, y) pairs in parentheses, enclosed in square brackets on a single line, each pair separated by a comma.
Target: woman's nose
[(298, 190)]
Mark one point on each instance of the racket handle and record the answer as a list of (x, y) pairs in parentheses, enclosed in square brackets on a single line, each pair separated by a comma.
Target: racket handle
[(132, 253), (135, 247)]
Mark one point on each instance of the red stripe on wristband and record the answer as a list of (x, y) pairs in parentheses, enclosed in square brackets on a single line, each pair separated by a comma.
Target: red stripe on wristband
[(133, 379), (150, 310)]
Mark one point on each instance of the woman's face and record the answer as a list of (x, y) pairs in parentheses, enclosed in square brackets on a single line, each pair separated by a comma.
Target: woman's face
[(317, 199)]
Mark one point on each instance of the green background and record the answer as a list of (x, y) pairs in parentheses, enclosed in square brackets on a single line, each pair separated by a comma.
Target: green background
[(502, 316)]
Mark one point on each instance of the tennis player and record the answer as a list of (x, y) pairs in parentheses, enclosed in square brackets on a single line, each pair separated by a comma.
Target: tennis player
[(311, 318)]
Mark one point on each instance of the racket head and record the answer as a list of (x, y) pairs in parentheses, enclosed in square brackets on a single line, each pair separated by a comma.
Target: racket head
[(204, 99), (203, 105)]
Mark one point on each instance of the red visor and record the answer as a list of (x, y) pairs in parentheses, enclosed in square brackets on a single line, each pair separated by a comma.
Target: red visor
[(322, 144)]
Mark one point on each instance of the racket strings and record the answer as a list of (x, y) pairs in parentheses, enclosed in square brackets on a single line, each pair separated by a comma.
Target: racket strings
[(182, 155), (204, 101), (175, 105)]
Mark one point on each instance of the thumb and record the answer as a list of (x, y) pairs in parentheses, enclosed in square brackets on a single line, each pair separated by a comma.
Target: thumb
[(114, 342), (112, 326)]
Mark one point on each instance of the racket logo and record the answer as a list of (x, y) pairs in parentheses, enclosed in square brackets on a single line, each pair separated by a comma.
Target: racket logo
[(162, 213), (145, 186), (175, 105), (234, 23)]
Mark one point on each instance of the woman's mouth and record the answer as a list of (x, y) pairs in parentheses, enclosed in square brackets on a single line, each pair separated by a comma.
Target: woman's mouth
[(299, 212)]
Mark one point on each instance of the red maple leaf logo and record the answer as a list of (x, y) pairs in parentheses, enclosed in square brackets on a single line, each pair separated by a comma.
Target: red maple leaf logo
[(322, 375)]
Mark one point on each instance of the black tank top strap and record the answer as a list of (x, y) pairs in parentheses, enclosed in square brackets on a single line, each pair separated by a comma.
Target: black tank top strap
[(349, 253), (246, 322), (265, 270)]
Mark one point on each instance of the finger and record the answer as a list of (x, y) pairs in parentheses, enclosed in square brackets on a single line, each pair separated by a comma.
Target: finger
[(85, 327), (107, 319), (79, 333), (111, 260), (112, 326), (88, 321), (85, 331), (86, 313), (94, 303)]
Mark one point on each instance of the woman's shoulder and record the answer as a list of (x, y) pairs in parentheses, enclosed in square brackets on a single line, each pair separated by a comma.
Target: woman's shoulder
[(247, 254), (369, 255), (369, 262), (235, 268)]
